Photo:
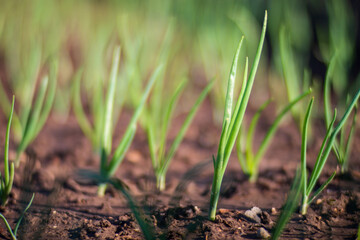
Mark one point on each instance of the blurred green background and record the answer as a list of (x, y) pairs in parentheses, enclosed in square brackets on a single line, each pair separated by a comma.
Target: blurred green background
[(195, 40)]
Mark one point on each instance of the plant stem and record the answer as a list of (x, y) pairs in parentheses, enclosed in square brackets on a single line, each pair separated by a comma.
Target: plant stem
[(253, 176), (160, 182), (215, 192), (305, 205), (102, 189)]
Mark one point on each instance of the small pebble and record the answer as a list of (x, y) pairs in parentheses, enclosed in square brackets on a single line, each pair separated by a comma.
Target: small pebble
[(273, 211), (256, 210), (253, 214), (263, 233)]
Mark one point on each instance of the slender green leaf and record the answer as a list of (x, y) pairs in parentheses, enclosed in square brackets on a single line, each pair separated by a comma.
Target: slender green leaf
[(327, 100), (8, 227), (23, 213), (321, 188), (290, 205), (251, 132), (270, 133), (152, 147), (121, 150), (242, 91), (109, 104), (167, 117), (33, 119), (245, 98), (98, 113), (49, 98), (228, 107), (6, 152), (227, 139), (349, 141), (130, 131), (180, 135), (230, 89), (14, 233), (303, 148), (80, 115), (321, 151), (6, 107), (316, 172)]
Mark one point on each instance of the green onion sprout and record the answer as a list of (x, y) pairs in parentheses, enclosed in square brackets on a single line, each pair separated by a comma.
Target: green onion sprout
[(232, 119)]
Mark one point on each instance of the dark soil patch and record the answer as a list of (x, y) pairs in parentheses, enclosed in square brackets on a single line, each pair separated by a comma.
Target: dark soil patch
[(67, 207)]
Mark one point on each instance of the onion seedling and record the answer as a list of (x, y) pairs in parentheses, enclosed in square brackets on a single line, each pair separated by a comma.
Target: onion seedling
[(327, 145), (157, 133), (249, 160), (33, 117), (109, 166), (341, 148), (7, 182), (232, 119), (94, 131), (13, 233)]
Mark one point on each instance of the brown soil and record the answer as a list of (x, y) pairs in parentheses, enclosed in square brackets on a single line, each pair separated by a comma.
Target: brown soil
[(67, 207)]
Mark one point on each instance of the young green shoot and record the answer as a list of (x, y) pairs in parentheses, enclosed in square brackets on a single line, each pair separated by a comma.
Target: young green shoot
[(249, 160), (32, 118), (290, 205), (6, 183), (96, 132), (327, 145), (342, 147), (13, 233), (104, 120), (157, 133), (232, 119)]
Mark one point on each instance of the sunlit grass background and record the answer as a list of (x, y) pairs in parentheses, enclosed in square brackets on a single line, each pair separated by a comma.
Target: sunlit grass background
[(194, 39)]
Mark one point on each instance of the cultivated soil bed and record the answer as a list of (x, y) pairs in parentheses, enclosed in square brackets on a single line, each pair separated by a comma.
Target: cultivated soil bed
[(66, 205)]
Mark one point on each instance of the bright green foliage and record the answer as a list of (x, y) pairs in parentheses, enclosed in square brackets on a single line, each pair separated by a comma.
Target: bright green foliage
[(96, 132), (40, 110), (102, 130), (232, 119), (109, 167), (249, 160), (7, 182), (341, 148), (327, 145), (157, 130), (33, 116), (14, 232), (289, 207)]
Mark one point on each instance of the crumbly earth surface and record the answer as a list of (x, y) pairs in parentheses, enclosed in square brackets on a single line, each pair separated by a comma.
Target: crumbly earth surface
[(66, 204)]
